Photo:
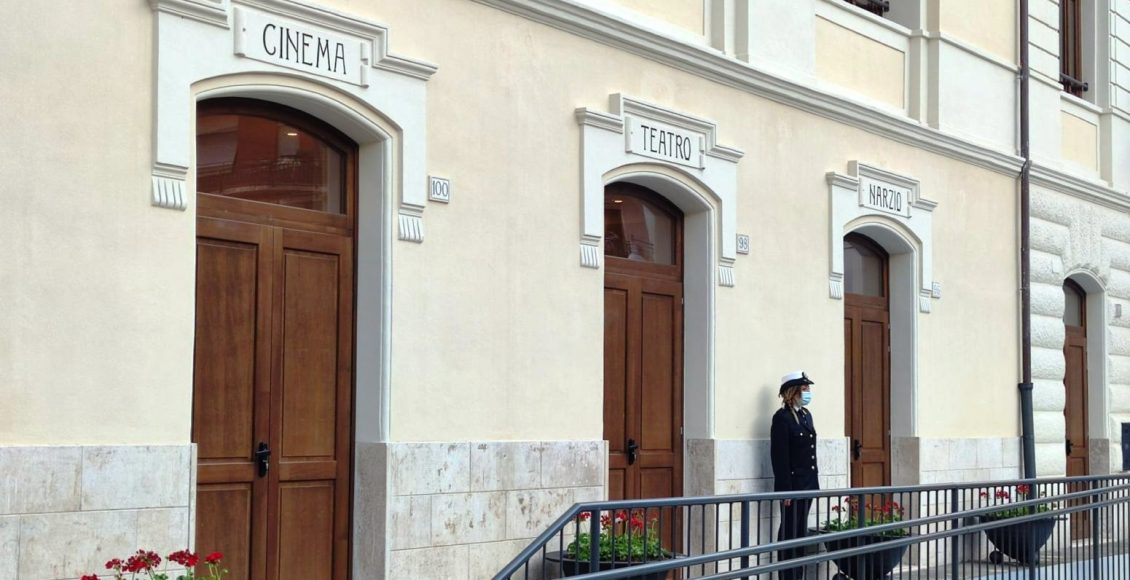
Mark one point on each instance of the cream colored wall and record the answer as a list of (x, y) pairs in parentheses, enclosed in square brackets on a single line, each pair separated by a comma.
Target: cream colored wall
[(988, 25), (688, 14), (859, 64), (1080, 141), (498, 330), (96, 286)]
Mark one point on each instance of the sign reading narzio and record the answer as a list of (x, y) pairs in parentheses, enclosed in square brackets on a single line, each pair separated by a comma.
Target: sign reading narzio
[(884, 196), (664, 142), (282, 42)]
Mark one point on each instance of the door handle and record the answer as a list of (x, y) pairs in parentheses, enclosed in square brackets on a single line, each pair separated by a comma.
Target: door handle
[(263, 458), (856, 449), (1069, 446), (633, 449)]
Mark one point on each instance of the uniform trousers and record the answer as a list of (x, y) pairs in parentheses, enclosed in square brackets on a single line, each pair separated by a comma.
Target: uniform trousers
[(794, 524)]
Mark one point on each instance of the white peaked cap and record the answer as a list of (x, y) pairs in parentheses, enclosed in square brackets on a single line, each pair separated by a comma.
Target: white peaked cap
[(796, 377)]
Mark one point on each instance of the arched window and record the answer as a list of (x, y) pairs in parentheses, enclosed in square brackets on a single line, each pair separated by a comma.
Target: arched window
[(1075, 304), (865, 267), (258, 151), (640, 226)]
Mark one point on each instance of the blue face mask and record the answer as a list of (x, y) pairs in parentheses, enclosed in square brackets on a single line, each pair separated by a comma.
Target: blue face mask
[(805, 397)]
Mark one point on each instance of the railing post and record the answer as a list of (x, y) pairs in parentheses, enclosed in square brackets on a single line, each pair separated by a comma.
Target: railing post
[(594, 542), (745, 533), (955, 548), (1096, 569)]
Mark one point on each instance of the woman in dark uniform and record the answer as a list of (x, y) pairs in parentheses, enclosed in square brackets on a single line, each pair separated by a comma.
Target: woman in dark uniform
[(792, 445)]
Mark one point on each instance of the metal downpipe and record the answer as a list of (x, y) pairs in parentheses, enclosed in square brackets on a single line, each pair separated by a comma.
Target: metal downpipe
[(1025, 386)]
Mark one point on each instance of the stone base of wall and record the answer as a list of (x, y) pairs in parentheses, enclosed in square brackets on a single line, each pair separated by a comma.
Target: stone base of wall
[(921, 460), (462, 510), (65, 511)]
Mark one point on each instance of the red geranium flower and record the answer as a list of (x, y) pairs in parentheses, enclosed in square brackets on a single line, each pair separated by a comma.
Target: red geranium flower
[(214, 557), (90, 577)]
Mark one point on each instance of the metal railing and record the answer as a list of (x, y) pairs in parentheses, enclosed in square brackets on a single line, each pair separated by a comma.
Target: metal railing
[(1077, 527)]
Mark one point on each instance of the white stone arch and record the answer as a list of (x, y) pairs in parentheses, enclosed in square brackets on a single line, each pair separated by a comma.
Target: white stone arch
[(375, 136), (197, 41), (700, 236), (607, 144), (1098, 423), (904, 250)]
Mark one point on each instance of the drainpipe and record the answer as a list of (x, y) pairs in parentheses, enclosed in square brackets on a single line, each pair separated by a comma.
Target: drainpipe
[(1025, 386)]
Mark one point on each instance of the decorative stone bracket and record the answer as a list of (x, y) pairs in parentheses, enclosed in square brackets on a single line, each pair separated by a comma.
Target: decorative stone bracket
[(870, 192), (635, 132)]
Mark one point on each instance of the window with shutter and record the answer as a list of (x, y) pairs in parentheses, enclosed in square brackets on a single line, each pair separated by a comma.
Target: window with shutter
[(1071, 47), (876, 7)]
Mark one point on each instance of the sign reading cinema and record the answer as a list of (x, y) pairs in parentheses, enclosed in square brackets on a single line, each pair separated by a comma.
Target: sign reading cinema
[(299, 47)]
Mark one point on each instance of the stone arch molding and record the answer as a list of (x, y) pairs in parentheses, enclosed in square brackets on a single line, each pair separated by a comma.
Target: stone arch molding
[(869, 194), (205, 39), (635, 132)]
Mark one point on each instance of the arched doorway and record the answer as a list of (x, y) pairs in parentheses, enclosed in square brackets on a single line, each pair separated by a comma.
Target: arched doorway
[(273, 369), (643, 343), (867, 360), (1075, 390)]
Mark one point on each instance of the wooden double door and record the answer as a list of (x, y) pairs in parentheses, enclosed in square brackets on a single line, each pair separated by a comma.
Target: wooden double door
[(867, 362), (643, 345), (273, 368)]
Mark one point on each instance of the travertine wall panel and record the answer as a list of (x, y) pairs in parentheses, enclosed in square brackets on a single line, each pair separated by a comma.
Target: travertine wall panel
[(472, 506), (67, 510)]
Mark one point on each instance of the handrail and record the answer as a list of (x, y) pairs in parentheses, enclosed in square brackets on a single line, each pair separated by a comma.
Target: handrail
[(666, 565), (1087, 499)]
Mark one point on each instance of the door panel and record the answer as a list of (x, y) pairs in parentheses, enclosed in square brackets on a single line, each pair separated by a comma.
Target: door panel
[(1075, 417), (309, 381), (616, 381), (223, 515), (231, 380), (306, 531), (658, 368), (867, 387)]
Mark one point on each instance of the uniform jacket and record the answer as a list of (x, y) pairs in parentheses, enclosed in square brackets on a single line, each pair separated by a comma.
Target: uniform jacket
[(792, 445)]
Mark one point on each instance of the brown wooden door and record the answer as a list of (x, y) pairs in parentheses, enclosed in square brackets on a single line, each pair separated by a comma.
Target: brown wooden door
[(1075, 386), (273, 368), (643, 386), (867, 374), (643, 350)]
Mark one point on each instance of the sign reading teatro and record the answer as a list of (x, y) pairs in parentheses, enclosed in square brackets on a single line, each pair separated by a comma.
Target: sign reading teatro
[(300, 47), (884, 196), (664, 142)]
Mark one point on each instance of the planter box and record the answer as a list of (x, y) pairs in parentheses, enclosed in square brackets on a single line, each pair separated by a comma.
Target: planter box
[(873, 566), (1021, 542), (556, 561)]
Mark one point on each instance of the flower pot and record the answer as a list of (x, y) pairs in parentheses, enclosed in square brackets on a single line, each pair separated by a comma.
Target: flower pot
[(556, 561), (873, 566), (1020, 541)]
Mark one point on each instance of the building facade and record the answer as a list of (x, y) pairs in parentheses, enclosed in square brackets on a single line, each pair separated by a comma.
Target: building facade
[(377, 289)]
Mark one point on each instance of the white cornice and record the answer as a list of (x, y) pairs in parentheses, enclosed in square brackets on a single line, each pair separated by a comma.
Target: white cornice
[(1096, 192), (713, 65), (213, 12)]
